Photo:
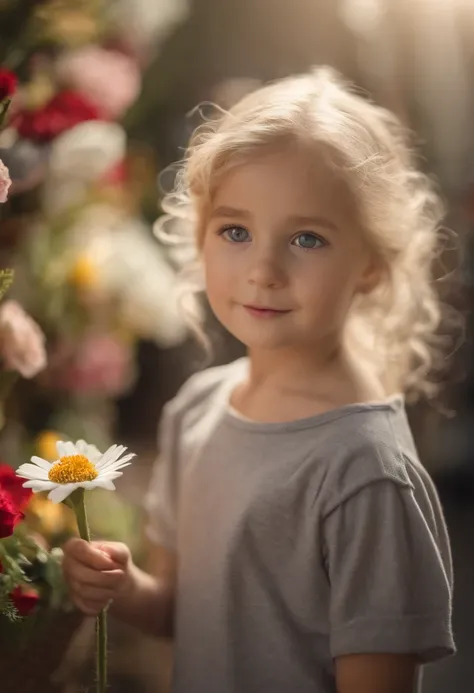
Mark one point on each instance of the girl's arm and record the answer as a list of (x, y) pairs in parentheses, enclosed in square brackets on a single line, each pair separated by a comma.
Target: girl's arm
[(376, 673)]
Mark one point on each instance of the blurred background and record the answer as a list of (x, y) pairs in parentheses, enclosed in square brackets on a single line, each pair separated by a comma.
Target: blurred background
[(102, 107)]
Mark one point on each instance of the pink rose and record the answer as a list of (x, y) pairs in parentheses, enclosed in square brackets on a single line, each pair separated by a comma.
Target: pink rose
[(5, 182), (108, 79), (21, 341)]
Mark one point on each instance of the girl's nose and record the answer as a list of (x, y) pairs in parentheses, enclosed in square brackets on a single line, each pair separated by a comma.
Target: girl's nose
[(266, 272)]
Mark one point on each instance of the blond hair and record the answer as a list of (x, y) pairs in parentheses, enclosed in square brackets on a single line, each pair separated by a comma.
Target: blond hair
[(394, 327)]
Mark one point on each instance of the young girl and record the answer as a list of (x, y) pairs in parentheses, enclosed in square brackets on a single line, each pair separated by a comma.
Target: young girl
[(300, 545)]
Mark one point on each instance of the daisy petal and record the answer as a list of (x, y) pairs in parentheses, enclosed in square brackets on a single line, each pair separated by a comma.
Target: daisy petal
[(61, 491), (70, 447), (107, 484), (81, 447), (94, 454), (65, 448), (31, 471), (38, 486), (114, 463), (111, 475), (44, 464), (114, 468), (110, 454)]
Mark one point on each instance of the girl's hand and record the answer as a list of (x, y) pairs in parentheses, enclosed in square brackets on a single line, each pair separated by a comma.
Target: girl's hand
[(96, 572)]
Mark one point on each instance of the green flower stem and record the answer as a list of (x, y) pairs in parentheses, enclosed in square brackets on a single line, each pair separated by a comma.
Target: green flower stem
[(78, 503)]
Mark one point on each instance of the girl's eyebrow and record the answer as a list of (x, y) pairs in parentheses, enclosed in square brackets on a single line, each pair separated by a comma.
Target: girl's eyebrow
[(312, 221), (295, 219), (230, 212)]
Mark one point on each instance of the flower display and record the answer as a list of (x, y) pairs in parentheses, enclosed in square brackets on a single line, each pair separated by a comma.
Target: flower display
[(80, 465), (21, 341), (89, 276)]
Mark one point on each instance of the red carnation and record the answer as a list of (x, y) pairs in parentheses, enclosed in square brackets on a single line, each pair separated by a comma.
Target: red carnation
[(24, 600), (65, 110), (13, 499), (8, 82)]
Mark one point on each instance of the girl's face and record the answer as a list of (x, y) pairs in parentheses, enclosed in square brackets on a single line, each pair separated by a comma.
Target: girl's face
[(283, 256)]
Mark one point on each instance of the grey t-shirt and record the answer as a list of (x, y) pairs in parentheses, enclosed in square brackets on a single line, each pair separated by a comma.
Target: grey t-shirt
[(297, 542)]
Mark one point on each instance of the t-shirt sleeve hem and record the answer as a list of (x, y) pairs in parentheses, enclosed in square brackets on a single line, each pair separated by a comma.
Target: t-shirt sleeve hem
[(160, 537), (423, 635)]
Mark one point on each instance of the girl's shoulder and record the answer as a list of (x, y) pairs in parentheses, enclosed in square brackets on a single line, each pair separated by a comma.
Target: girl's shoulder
[(202, 387)]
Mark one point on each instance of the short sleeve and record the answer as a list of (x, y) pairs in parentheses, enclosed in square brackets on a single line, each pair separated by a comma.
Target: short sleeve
[(389, 579), (161, 497)]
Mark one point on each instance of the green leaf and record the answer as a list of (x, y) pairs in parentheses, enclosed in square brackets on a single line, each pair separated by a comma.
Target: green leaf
[(8, 609), (6, 280)]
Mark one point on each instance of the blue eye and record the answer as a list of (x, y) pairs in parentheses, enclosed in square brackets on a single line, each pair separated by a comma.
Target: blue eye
[(235, 234), (308, 241)]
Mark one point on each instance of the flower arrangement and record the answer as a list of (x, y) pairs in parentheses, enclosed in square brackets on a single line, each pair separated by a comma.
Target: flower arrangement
[(87, 265)]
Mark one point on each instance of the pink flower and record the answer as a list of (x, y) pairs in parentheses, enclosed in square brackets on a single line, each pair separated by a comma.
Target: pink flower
[(108, 79), (100, 363), (21, 341), (5, 182)]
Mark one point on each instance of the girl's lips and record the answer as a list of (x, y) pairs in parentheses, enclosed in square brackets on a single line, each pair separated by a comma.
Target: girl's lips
[(263, 312)]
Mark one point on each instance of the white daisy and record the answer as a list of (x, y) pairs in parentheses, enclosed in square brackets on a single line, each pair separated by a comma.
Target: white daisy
[(80, 465)]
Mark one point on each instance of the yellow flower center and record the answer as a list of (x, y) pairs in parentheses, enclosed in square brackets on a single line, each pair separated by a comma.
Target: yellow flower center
[(72, 469), (83, 274)]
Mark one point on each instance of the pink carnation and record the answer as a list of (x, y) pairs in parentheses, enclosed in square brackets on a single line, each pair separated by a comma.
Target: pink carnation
[(21, 341), (5, 182), (109, 79)]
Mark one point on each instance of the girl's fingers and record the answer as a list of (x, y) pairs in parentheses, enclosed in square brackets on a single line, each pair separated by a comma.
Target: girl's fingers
[(93, 594), (94, 578)]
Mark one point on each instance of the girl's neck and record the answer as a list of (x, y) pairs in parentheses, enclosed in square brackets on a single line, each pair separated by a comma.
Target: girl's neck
[(281, 386)]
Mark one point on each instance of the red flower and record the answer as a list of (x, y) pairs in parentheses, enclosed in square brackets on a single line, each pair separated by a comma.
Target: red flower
[(24, 600), (8, 82), (13, 499), (13, 486), (64, 111), (9, 515)]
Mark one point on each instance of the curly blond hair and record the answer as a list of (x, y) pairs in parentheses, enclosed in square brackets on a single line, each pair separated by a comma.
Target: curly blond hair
[(395, 326)]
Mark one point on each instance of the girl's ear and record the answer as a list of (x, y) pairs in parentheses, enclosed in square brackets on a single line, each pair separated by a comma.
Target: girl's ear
[(371, 276)]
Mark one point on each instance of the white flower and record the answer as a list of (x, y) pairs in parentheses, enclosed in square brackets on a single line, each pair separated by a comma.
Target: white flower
[(78, 158), (144, 22), (131, 267), (80, 465)]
